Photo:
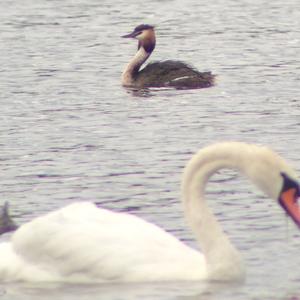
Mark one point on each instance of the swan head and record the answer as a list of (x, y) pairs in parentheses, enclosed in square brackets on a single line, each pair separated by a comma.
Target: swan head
[(145, 35), (273, 175), (288, 197), (265, 168)]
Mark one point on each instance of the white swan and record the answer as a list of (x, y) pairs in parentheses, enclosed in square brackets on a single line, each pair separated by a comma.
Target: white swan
[(83, 243)]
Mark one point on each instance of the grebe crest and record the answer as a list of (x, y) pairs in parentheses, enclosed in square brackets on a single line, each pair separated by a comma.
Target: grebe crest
[(169, 73)]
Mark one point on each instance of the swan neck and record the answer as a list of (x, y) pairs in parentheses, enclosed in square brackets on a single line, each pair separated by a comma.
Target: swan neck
[(131, 71), (222, 257)]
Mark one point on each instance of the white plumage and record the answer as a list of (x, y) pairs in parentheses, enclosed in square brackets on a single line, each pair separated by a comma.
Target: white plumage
[(83, 243)]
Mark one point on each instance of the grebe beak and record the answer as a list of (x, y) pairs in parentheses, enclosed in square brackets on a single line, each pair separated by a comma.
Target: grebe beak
[(131, 35), (288, 200)]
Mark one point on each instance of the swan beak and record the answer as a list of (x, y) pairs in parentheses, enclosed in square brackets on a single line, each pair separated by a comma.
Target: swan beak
[(288, 200)]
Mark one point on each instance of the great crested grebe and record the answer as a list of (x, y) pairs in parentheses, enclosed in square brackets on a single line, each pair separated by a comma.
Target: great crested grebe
[(167, 73), (82, 243)]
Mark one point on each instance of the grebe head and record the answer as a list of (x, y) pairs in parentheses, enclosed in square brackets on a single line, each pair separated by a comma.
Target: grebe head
[(145, 35)]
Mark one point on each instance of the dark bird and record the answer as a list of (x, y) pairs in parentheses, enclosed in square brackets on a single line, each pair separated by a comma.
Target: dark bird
[(169, 73), (6, 223)]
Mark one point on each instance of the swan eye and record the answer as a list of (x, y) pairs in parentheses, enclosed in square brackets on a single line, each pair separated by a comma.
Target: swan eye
[(289, 183)]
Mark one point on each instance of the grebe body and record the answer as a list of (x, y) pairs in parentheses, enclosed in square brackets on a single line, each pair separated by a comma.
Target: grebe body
[(169, 73)]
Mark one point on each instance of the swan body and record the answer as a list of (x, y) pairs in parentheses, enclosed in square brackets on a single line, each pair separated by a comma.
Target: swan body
[(83, 243), (167, 73)]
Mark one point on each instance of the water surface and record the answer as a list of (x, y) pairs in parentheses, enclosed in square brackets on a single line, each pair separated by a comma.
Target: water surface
[(70, 132)]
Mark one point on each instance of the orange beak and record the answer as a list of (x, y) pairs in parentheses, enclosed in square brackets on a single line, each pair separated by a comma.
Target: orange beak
[(288, 200)]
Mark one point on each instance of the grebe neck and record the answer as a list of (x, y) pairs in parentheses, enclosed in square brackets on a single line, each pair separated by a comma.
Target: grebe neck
[(132, 69)]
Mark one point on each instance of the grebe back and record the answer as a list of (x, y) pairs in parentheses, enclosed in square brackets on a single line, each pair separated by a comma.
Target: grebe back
[(169, 73)]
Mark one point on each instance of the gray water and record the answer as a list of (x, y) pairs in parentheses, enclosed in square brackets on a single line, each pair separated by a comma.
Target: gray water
[(70, 131)]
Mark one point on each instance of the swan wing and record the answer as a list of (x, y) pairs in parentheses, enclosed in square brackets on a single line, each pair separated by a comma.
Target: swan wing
[(84, 243)]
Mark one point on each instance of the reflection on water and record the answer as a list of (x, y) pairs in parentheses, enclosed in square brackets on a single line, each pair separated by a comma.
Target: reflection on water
[(174, 290), (70, 131), (145, 92), (181, 290)]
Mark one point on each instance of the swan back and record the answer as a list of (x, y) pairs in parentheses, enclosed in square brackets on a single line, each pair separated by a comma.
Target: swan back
[(84, 243)]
